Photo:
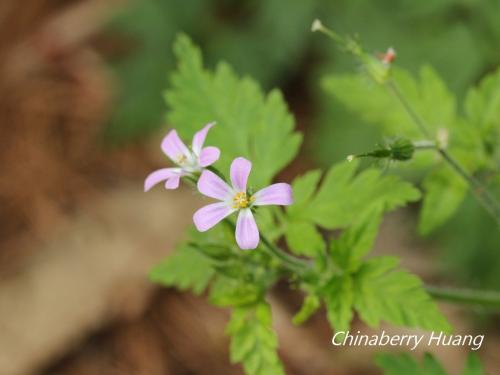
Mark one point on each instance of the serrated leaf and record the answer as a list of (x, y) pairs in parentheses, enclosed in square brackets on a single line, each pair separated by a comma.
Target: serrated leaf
[(310, 305), (356, 241), (303, 188), (382, 292), (253, 340), (344, 196), (227, 292), (339, 297), (482, 104), (304, 239), (249, 124), (445, 191), (185, 269)]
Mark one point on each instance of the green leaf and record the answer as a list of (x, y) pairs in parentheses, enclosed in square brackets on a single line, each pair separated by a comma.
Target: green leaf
[(227, 292), (356, 241), (303, 189), (405, 364), (253, 340), (344, 196), (375, 104), (249, 123), (445, 191), (311, 304), (339, 297), (481, 141), (383, 293), (185, 269), (397, 364), (304, 239), (431, 366), (473, 365), (482, 104)]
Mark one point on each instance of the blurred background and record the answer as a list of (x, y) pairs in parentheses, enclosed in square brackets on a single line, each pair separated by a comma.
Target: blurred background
[(82, 117)]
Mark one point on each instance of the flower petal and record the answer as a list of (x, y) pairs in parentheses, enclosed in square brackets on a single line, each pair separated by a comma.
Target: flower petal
[(213, 186), (247, 233), (173, 182), (280, 194), (208, 216), (173, 146), (160, 175), (240, 169), (208, 156), (199, 138)]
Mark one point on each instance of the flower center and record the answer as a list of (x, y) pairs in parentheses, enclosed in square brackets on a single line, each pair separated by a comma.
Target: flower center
[(240, 200), (181, 159)]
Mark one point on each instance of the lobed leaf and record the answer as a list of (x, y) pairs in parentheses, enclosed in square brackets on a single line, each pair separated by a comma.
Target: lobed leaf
[(249, 123), (383, 293), (344, 196), (445, 191), (185, 269), (253, 340)]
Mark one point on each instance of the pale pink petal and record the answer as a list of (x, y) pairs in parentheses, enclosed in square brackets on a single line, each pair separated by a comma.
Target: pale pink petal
[(208, 156), (199, 138), (160, 175), (213, 186), (173, 182), (280, 194), (206, 217), (247, 233), (240, 169), (173, 146)]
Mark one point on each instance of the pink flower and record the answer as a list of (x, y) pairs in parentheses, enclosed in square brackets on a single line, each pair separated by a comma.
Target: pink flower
[(189, 161), (235, 198)]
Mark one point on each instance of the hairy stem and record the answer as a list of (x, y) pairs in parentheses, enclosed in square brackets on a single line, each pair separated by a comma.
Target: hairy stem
[(480, 191), (465, 296)]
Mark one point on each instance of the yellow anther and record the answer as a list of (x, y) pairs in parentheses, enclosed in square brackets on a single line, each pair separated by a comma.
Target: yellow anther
[(240, 200), (181, 159)]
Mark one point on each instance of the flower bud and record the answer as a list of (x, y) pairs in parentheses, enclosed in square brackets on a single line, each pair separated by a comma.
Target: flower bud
[(402, 149)]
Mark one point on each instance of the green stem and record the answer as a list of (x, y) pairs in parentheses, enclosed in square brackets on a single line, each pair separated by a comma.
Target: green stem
[(425, 145), (394, 89), (465, 296), (292, 262), (480, 191), (483, 195)]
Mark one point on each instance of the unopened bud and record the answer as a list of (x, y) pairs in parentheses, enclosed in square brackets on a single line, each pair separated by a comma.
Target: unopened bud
[(316, 25), (402, 149), (389, 56)]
